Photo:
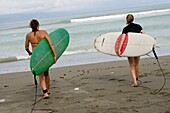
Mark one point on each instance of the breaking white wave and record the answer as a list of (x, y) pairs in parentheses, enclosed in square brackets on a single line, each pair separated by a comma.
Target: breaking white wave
[(13, 58), (79, 51), (118, 16), (68, 52)]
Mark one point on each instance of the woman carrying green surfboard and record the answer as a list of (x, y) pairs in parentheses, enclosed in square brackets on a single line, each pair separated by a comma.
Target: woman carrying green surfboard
[(34, 37)]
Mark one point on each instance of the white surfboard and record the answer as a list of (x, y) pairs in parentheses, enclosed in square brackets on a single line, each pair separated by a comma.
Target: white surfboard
[(135, 44)]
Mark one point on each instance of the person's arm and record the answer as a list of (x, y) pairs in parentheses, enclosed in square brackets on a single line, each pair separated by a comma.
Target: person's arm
[(52, 46), (27, 46)]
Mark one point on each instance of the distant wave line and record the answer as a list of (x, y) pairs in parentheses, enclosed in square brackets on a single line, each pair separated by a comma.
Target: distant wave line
[(47, 22), (117, 16), (10, 28)]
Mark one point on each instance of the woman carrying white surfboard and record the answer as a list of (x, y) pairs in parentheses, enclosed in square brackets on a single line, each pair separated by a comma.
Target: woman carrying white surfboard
[(34, 37), (133, 61)]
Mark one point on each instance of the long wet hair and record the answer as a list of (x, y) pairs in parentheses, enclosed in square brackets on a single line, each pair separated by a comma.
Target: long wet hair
[(34, 25)]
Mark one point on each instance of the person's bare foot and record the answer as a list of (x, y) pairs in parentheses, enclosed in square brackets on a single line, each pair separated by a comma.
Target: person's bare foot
[(135, 85), (46, 96)]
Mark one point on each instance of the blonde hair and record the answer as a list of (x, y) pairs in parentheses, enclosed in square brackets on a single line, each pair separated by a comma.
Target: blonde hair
[(129, 18)]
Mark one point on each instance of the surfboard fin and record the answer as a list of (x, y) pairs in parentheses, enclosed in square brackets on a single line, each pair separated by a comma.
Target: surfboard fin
[(103, 41)]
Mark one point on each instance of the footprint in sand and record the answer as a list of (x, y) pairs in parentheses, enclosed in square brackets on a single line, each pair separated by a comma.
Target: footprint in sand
[(121, 80), (164, 94), (147, 81), (112, 79), (47, 103), (100, 89)]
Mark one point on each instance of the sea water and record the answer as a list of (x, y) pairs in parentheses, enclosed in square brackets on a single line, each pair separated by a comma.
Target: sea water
[(83, 30)]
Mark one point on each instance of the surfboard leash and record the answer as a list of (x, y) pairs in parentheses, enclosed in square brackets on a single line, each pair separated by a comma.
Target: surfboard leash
[(154, 52), (35, 100), (35, 81)]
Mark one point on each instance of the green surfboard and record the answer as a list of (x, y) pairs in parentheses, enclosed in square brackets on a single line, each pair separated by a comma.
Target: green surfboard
[(42, 57)]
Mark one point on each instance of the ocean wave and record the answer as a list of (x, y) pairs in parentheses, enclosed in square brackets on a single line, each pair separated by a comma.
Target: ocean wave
[(78, 51), (13, 58), (66, 53), (21, 25), (118, 16)]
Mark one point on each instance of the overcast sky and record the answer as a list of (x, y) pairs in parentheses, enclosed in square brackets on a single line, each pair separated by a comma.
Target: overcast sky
[(20, 6)]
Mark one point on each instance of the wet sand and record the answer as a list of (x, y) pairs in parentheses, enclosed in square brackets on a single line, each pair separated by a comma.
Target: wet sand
[(91, 88)]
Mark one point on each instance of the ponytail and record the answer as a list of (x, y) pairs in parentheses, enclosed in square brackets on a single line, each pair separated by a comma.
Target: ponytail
[(34, 25)]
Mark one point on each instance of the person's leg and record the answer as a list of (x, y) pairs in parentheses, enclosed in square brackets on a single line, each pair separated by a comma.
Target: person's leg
[(137, 66), (47, 80), (132, 69), (43, 85)]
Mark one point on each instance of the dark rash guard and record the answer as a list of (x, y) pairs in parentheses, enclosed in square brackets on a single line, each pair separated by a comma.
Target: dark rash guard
[(132, 27)]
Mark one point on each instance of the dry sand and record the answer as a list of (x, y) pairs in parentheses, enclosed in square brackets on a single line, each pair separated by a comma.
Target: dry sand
[(92, 88)]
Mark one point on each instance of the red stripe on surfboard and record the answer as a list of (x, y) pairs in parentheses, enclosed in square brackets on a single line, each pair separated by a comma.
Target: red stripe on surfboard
[(124, 45)]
